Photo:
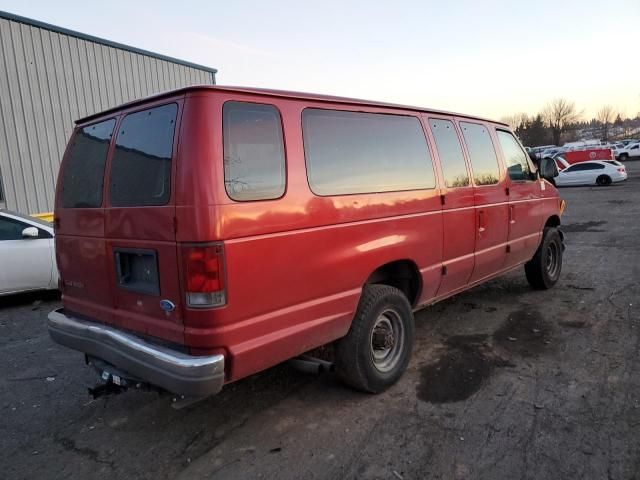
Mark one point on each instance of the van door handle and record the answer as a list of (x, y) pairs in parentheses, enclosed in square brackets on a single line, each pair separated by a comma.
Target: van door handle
[(481, 221), (512, 214)]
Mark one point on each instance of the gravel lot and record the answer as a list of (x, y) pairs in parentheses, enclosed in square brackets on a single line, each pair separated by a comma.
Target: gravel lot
[(505, 382)]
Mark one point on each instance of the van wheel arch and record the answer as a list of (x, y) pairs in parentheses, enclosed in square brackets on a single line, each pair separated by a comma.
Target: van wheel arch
[(553, 222), (401, 274)]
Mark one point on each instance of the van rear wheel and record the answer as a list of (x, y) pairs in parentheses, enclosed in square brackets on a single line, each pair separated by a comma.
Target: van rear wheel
[(543, 270), (376, 351)]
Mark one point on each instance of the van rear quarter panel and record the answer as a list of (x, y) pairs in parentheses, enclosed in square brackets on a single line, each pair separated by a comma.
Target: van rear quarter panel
[(295, 266)]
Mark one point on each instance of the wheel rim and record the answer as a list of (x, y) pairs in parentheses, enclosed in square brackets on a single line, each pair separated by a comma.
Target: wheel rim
[(387, 341), (552, 263)]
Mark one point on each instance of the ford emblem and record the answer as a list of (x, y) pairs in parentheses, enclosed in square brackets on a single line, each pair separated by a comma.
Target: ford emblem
[(167, 305)]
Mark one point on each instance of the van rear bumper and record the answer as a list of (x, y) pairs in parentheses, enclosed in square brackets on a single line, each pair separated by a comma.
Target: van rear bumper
[(161, 366)]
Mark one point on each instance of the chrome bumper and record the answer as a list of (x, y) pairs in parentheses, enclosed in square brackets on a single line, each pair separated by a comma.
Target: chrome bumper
[(172, 370)]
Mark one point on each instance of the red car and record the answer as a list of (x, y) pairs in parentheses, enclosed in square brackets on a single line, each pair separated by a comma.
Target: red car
[(208, 233)]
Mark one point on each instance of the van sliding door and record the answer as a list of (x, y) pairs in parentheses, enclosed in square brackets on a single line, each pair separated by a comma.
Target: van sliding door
[(490, 197), (458, 215)]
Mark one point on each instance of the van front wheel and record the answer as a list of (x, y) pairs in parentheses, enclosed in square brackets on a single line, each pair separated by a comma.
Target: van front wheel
[(543, 270), (376, 351)]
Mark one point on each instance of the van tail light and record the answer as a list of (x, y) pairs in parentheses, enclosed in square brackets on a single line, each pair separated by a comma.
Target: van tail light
[(204, 275)]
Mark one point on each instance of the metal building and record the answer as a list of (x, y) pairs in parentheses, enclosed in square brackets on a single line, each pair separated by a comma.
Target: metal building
[(51, 76)]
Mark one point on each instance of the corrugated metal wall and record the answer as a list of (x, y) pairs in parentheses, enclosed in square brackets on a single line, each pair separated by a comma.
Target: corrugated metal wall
[(49, 79)]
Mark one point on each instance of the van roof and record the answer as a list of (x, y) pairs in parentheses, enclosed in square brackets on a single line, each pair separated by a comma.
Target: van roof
[(283, 94)]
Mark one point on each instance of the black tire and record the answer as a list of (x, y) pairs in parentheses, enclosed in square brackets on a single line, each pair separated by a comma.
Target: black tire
[(360, 356), (603, 180), (543, 270), (623, 157)]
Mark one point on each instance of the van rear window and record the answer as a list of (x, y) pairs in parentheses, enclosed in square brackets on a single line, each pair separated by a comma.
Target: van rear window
[(356, 152), (83, 172), (254, 165), (141, 163)]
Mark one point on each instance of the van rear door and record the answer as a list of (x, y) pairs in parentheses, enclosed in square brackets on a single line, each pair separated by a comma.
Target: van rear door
[(140, 223), (79, 222)]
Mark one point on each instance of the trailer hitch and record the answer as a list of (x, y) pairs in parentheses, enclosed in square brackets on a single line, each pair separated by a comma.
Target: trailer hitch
[(108, 388)]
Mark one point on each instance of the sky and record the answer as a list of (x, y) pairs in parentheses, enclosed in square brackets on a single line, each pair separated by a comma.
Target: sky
[(490, 58)]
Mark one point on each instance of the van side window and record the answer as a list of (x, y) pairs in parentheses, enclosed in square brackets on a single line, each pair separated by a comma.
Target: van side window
[(356, 152), (141, 162), (83, 172), (454, 168), (514, 157), (484, 161), (254, 161)]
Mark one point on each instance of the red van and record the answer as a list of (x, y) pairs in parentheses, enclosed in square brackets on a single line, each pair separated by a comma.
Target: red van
[(208, 233)]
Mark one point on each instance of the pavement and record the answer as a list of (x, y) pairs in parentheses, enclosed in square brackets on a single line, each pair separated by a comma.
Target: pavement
[(505, 382)]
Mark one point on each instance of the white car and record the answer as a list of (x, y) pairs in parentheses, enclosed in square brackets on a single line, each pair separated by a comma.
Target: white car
[(632, 150), (590, 173), (27, 254)]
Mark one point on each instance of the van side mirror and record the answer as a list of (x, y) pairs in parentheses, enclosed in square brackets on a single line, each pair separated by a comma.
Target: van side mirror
[(547, 168), (30, 232)]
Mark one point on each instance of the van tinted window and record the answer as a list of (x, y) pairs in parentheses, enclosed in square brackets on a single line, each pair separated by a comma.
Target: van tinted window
[(484, 161), (454, 168), (254, 165), (83, 172), (353, 152), (514, 157), (141, 163)]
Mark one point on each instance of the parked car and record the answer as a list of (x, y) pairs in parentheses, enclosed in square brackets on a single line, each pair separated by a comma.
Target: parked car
[(537, 151), (551, 152), (617, 148), (588, 154), (632, 150), (27, 255), (217, 249), (616, 163), (590, 173)]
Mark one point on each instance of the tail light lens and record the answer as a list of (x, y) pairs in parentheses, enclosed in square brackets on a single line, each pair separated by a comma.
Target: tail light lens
[(204, 275), (621, 169)]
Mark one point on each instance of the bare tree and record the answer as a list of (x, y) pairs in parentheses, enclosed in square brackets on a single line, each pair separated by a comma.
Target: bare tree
[(606, 116), (559, 114), (516, 120)]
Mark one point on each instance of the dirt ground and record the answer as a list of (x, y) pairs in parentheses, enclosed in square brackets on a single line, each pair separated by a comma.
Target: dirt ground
[(505, 382)]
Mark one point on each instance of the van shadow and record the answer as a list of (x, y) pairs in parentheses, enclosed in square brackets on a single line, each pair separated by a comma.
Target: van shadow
[(128, 421)]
